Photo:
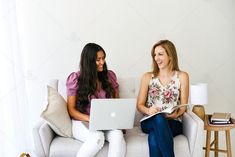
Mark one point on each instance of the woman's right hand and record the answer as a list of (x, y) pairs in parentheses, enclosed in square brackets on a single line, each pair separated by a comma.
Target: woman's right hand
[(153, 109)]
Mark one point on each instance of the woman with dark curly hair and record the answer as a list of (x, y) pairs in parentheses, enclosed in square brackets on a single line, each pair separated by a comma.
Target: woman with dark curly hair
[(94, 80)]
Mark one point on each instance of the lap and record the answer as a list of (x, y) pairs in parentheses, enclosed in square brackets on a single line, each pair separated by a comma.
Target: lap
[(175, 125), (81, 131), (113, 134)]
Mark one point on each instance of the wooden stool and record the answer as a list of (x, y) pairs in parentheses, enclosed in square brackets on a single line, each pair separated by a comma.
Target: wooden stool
[(215, 142)]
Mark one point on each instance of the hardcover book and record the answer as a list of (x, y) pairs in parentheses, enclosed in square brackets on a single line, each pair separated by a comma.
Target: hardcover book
[(217, 116), (220, 123)]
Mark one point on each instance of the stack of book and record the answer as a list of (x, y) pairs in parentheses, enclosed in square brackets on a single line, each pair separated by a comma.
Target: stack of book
[(220, 119)]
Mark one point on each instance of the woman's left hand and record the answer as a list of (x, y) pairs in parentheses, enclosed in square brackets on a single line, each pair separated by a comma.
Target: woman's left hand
[(173, 115)]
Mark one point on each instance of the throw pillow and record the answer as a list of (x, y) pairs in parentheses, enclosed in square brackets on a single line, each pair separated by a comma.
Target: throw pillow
[(56, 114)]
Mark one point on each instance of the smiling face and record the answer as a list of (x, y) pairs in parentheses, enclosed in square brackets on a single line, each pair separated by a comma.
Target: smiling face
[(100, 60), (161, 57)]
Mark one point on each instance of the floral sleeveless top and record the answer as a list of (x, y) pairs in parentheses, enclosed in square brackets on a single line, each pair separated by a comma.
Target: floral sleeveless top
[(164, 95)]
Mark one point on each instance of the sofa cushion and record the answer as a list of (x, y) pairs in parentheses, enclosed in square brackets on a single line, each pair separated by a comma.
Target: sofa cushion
[(68, 147), (136, 145), (136, 142), (62, 146), (56, 114)]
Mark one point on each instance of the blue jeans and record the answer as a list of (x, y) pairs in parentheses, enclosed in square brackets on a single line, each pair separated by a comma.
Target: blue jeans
[(160, 132)]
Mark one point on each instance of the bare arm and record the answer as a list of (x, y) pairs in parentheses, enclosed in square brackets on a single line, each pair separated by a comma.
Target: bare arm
[(184, 90), (184, 93), (143, 94), (116, 95), (73, 112)]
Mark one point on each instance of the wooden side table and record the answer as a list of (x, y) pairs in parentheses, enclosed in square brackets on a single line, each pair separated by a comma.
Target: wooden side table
[(215, 142)]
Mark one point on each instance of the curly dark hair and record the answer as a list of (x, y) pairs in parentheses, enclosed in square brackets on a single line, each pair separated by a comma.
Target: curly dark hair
[(87, 85)]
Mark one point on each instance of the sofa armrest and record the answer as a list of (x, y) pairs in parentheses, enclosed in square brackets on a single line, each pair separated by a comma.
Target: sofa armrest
[(193, 128), (43, 136)]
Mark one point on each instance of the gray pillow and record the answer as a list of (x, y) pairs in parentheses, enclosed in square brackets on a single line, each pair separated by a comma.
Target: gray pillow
[(56, 114)]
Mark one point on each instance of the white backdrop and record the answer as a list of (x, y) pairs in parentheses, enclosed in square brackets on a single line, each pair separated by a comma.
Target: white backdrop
[(52, 34)]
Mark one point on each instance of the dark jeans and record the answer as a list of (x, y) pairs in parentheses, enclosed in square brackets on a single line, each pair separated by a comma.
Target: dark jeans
[(160, 132)]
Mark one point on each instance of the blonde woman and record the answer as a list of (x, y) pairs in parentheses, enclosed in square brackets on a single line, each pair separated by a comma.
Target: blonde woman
[(164, 86)]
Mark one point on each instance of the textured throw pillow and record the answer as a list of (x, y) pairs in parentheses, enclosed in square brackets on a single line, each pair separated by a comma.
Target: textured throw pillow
[(56, 114)]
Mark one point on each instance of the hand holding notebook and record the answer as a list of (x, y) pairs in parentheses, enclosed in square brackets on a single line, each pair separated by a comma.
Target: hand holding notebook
[(168, 110)]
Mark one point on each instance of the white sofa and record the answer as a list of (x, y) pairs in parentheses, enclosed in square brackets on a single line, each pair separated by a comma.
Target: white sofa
[(189, 144)]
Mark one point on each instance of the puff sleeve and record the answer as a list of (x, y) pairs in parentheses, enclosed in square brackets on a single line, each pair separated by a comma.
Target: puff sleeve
[(113, 80), (72, 84)]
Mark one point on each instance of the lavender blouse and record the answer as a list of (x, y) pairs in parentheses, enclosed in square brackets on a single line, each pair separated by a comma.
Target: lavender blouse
[(72, 86)]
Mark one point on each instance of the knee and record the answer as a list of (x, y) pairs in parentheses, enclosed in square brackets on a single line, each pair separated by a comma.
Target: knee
[(97, 138), (160, 119), (117, 135)]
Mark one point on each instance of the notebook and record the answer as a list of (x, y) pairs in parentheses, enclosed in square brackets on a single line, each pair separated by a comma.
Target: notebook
[(109, 114), (168, 110)]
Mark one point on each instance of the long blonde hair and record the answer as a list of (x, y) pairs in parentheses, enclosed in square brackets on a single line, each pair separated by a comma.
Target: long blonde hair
[(171, 52)]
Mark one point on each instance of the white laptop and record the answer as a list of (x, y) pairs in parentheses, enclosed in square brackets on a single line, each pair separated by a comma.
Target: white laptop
[(109, 114)]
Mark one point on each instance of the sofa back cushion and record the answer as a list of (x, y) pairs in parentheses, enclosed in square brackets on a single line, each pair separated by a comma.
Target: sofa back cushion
[(129, 88)]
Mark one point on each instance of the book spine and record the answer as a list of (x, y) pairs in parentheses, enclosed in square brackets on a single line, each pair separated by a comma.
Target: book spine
[(219, 121)]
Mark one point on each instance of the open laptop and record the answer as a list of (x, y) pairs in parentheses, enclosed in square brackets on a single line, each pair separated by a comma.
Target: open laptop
[(109, 114)]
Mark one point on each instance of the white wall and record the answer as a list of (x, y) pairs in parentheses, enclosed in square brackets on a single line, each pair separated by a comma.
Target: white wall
[(52, 34)]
